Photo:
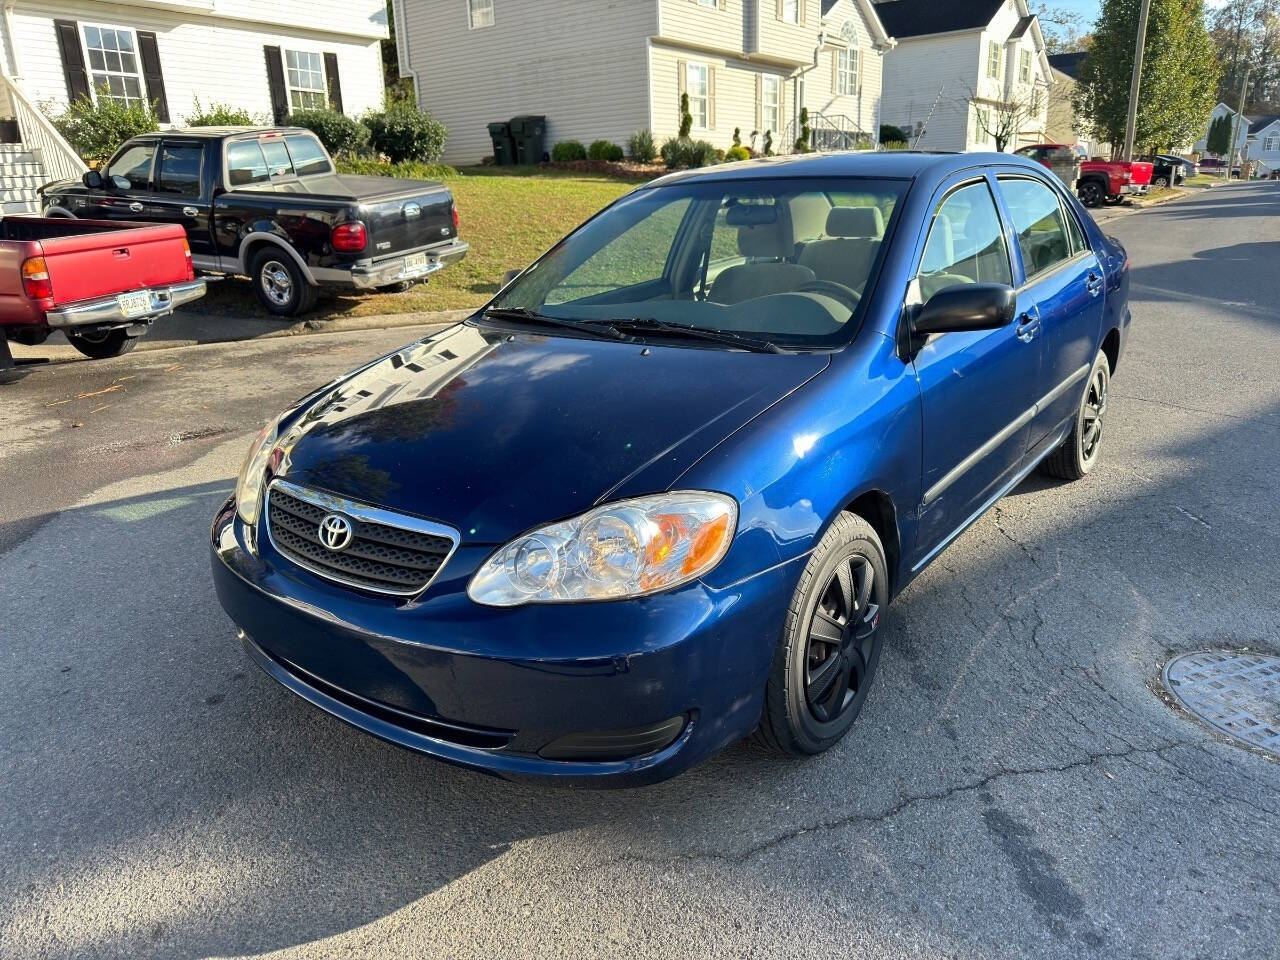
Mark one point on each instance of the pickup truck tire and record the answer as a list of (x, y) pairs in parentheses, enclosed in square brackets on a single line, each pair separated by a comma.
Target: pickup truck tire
[(1082, 449), (1160, 182), (1092, 193), (102, 345), (281, 288)]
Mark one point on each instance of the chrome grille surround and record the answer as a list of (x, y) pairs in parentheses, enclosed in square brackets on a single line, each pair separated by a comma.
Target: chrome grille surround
[(390, 553)]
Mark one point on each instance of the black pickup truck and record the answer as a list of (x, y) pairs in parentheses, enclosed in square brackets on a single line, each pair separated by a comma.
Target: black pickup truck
[(270, 205)]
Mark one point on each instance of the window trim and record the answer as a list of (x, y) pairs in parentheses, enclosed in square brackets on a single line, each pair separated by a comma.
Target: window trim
[(848, 72), (703, 122), (137, 55), (289, 87), (993, 59), (765, 80), (155, 167), (948, 192), (471, 15), (782, 12), (1271, 143), (1024, 66)]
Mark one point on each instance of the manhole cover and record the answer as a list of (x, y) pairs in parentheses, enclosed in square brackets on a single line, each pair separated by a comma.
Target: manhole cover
[(1239, 693)]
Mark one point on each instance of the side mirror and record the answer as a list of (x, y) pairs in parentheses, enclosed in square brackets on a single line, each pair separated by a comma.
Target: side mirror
[(121, 183), (92, 179), (509, 276), (966, 306)]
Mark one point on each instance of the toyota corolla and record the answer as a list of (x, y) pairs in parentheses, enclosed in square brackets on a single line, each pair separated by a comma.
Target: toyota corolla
[(659, 492)]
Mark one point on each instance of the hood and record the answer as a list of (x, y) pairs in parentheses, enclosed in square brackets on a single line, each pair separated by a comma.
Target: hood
[(493, 432)]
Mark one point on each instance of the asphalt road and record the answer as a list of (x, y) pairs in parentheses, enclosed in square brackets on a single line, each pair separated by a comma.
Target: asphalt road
[(1014, 788)]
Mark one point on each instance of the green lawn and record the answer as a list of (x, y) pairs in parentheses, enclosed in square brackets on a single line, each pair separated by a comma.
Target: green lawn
[(509, 216)]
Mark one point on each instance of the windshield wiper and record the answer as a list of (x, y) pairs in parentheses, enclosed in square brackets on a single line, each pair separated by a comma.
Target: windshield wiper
[(644, 325), (521, 315)]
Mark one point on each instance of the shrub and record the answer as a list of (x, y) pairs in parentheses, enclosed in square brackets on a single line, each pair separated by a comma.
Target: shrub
[(802, 141), (338, 132), (402, 132), (737, 136), (686, 118), (891, 134), (895, 145), (217, 115), (641, 147), (409, 170), (566, 151), (679, 152), (737, 152), (96, 130), (604, 150)]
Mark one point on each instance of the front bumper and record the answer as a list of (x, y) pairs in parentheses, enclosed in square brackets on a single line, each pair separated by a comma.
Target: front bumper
[(381, 273), (108, 310), (501, 690)]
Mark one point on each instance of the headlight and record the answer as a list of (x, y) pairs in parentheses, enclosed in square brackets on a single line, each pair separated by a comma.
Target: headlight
[(252, 475), (625, 549)]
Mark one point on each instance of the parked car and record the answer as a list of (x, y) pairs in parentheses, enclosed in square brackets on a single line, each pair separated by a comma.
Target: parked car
[(1102, 181), (268, 204), (1165, 171), (1215, 166), (100, 283), (660, 491), (1188, 168)]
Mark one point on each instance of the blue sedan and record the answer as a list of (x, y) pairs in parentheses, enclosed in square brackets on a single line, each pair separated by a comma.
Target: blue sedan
[(658, 494)]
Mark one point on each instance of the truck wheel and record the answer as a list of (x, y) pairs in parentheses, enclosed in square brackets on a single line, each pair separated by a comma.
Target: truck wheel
[(1092, 193), (1160, 182), (102, 344), (281, 288)]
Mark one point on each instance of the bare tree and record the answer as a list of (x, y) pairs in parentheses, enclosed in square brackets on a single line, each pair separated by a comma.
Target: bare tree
[(1004, 120)]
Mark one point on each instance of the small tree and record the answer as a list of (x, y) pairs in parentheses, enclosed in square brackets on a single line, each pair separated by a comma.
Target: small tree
[(686, 118), (737, 136), (1003, 120), (802, 141), (1219, 140), (96, 129), (768, 143)]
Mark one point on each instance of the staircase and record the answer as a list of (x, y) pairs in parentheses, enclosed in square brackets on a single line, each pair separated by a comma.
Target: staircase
[(829, 132), (21, 173)]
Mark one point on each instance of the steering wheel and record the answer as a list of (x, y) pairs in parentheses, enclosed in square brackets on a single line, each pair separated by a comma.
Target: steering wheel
[(832, 289)]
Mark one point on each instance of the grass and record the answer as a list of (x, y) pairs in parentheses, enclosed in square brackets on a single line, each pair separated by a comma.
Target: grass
[(509, 215), (1201, 180)]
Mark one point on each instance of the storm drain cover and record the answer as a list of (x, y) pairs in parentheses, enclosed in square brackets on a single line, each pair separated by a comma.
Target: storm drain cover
[(1239, 693)]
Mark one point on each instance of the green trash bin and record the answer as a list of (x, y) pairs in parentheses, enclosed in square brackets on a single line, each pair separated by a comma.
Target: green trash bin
[(530, 135), (504, 148)]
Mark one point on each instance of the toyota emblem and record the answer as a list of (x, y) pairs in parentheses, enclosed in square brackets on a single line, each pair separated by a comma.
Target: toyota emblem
[(336, 532)]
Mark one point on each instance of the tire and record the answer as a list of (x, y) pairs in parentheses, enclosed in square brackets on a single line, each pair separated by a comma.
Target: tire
[(1092, 193), (801, 716), (1082, 449), (1160, 182), (103, 345), (279, 283)]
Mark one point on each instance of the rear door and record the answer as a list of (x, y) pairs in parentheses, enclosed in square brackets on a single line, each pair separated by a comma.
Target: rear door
[(178, 195), (1062, 284), (131, 168)]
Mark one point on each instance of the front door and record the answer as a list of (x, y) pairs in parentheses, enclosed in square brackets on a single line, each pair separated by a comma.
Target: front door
[(1063, 281), (126, 190), (179, 198), (978, 389)]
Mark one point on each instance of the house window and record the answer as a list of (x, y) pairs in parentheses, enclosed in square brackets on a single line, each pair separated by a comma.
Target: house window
[(699, 93), (789, 11), (993, 60), (304, 71), (981, 124), (708, 3), (112, 55), (1024, 66), (480, 13), (771, 103), (847, 72), (1272, 143)]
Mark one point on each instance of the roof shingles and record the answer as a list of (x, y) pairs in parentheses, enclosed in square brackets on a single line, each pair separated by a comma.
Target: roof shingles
[(917, 18)]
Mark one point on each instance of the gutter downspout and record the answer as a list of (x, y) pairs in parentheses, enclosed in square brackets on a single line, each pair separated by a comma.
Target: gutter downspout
[(403, 61), (798, 75)]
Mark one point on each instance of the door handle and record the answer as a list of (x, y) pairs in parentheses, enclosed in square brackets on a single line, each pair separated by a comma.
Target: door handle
[(1028, 326), (136, 207), (189, 211), (1095, 284)]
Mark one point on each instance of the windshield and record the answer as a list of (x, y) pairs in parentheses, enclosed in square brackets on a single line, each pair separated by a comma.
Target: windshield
[(785, 260)]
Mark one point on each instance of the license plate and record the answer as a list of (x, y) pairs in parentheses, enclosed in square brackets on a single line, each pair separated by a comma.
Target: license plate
[(134, 304), (414, 264)]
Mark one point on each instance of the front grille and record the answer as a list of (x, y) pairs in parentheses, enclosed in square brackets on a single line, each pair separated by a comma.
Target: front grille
[(387, 553)]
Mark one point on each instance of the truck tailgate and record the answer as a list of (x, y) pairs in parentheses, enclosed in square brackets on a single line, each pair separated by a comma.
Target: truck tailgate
[(415, 216), (1141, 172), (88, 266)]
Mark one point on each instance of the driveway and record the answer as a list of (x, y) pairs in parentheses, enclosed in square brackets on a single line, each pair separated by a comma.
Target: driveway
[(1016, 786)]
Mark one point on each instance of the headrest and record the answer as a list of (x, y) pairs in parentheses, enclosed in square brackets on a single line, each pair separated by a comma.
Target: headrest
[(764, 240), (751, 214), (239, 177), (855, 222)]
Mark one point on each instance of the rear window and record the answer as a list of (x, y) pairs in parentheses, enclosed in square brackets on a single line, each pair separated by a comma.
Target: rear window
[(245, 163), (307, 155)]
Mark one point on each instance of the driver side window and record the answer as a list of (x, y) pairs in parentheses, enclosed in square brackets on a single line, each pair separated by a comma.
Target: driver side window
[(966, 243), (134, 164)]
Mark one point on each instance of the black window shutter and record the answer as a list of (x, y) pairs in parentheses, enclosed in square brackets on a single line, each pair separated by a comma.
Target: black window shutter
[(275, 83), (68, 32), (150, 54), (331, 78)]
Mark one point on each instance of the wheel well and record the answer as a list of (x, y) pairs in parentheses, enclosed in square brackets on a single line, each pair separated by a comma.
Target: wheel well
[(877, 509), (254, 246), (1111, 347)]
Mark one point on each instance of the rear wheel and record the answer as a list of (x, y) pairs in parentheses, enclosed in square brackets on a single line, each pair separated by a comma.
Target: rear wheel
[(279, 283), (1080, 452), (102, 344), (831, 642), (1161, 182)]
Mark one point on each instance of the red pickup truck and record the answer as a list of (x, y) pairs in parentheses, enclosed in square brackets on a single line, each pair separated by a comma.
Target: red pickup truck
[(1100, 180), (100, 282)]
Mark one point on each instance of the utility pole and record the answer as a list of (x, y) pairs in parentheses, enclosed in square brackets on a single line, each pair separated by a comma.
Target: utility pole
[(1235, 130), (1135, 84)]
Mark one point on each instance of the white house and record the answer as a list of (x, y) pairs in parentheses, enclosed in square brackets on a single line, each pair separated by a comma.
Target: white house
[(1257, 138), (266, 57), (958, 64), (610, 68)]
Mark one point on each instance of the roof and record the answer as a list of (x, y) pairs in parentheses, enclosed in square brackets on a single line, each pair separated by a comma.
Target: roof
[(1258, 124), (1021, 27), (1068, 63), (918, 18), (218, 133)]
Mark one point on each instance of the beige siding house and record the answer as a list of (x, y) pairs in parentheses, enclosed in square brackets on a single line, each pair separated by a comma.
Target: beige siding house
[(618, 66)]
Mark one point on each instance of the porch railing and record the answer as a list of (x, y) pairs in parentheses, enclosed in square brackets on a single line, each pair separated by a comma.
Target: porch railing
[(829, 132), (41, 137)]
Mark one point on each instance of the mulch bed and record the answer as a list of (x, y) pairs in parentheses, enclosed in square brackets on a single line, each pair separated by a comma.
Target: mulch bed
[(624, 170)]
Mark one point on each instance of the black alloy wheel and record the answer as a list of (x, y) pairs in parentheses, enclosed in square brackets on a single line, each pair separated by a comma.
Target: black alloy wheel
[(1082, 449), (1092, 193), (840, 640), (102, 344)]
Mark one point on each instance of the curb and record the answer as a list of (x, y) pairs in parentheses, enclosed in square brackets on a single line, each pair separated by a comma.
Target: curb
[(1174, 194)]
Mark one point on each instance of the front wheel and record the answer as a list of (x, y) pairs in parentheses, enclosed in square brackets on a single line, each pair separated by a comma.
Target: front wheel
[(279, 283), (101, 345), (1080, 452), (830, 645)]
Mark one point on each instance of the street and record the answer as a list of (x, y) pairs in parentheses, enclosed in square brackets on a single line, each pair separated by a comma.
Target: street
[(1017, 785)]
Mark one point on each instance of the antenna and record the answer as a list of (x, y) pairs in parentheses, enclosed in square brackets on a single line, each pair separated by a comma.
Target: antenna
[(925, 126)]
